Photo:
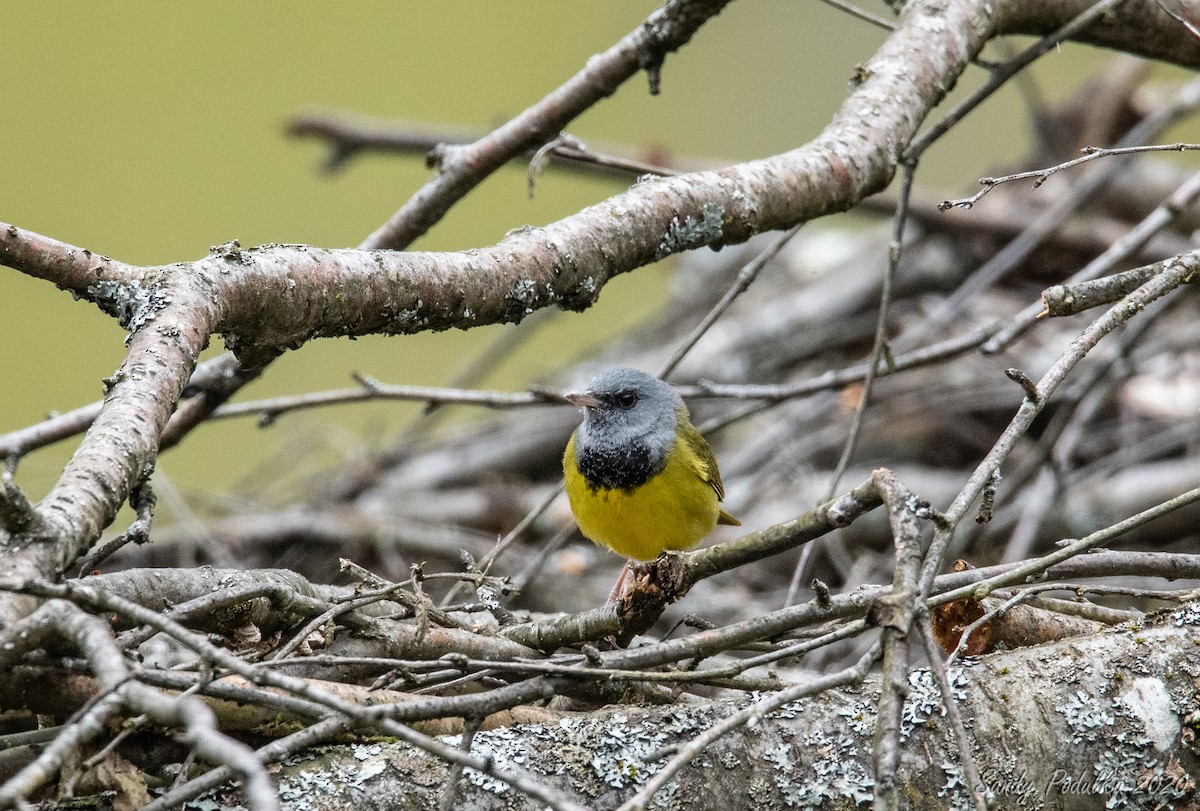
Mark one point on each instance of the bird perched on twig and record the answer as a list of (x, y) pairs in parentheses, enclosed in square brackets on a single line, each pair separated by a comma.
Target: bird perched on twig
[(639, 476)]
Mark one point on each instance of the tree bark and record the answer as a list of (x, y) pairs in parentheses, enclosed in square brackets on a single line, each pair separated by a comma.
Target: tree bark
[(1111, 724)]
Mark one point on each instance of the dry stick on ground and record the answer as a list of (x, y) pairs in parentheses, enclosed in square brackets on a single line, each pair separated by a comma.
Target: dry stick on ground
[(282, 598), (1077, 297), (1100, 563), (1047, 618), (683, 650), (1016, 574), (853, 604), (1083, 562)]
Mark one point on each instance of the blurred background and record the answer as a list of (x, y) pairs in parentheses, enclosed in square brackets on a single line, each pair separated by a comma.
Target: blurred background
[(149, 137)]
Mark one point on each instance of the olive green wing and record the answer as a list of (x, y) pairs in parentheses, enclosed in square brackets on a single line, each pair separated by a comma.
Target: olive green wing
[(706, 465)]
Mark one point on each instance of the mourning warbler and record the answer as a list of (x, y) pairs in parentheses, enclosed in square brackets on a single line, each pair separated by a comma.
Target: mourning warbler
[(640, 477)]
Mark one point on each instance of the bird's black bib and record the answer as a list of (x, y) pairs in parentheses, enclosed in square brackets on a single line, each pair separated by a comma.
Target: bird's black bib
[(618, 468)]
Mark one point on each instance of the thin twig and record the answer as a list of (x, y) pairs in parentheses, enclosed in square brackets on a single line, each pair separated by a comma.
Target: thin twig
[(373, 390), (349, 136), (1000, 75), (1017, 574), (742, 282), (461, 169), (966, 758), (142, 499), (1052, 220), (878, 348), (865, 16), (1040, 176), (454, 778), (1173, 274), (895, 613)]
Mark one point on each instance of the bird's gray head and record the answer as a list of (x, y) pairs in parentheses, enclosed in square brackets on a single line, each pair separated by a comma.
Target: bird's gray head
[(628, 425)]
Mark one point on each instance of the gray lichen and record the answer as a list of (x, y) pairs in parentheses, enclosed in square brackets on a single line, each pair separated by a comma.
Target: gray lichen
[(134, 305), (925, 699), (692, 232)]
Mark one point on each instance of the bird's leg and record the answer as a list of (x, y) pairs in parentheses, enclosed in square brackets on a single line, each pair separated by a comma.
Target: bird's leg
[(619, 587)]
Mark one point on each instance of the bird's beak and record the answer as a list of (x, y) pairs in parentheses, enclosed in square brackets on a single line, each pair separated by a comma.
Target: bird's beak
[(582, 399)]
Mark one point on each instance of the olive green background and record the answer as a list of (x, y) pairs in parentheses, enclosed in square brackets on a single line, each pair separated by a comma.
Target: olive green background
[(149, 132)]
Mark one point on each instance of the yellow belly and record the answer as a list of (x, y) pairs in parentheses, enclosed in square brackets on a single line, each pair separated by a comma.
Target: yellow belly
[(673, 510)]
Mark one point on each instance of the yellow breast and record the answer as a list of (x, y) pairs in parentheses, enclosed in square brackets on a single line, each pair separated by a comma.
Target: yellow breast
[(673, 510)]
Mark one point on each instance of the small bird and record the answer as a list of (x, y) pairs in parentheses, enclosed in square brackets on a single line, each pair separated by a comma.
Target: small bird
[(640, 477)]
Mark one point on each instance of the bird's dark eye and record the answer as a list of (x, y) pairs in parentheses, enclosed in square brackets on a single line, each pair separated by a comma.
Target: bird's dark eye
[(626, 399)]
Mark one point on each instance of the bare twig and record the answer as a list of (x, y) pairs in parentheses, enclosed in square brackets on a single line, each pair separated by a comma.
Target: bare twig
[(454, 778), (979, 792), (1084, 190), (142, 499), (462, 168), (1173, 273), (895, 613), (349, 136), (879, 348), (1018, 573), (1040, 176), (745, 277), (866, 16), (1074, 298)]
